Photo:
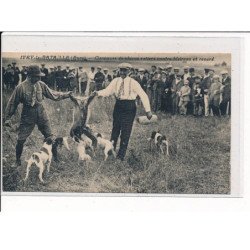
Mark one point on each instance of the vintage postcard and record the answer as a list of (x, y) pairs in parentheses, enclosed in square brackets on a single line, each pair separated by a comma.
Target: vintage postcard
[(120, 119)]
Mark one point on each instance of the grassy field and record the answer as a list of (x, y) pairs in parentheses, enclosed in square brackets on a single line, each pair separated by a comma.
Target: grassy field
[(201, 165)]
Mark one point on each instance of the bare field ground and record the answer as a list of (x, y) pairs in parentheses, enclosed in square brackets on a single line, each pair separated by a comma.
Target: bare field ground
[(201, 165)]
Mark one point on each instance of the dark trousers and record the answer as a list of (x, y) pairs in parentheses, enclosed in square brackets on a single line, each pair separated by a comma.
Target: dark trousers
[(223, 107), (123, 118), (83, 86)]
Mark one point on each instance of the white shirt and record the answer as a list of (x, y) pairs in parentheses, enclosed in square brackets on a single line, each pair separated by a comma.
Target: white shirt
[(185, 77), (91, 76), (132, 89)]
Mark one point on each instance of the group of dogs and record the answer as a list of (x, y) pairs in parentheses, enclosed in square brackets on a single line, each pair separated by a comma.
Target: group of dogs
[(85, 139)]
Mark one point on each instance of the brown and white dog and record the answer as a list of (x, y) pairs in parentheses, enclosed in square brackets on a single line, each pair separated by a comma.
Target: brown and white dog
[(44, 156), (106, 145), (81, 149), (40, 159), (160, 141)]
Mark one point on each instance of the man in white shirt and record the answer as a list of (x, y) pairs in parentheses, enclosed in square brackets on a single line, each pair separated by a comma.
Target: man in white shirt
[(91, 83), (125, 90)]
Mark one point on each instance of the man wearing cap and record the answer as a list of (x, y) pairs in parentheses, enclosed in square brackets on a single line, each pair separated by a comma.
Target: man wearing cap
[(45, 71), (16, 74), (9, 77), (83, 80), (141, 78), (175, 90), (23, 73), (91, 82), (125, 90), (31, 93), (205, 85), (107, 78), (99, 79), (214, 95), (66, 80), (59, 78), (186, 74), (198, 96), (191, 80), (52, 78), (185, 92), (226, 93)]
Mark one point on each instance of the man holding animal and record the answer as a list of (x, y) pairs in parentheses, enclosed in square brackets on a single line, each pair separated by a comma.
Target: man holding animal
[(125, 90), (31, 93)]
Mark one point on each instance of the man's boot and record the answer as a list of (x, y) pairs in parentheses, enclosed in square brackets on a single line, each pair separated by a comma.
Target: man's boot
[(19, 151)]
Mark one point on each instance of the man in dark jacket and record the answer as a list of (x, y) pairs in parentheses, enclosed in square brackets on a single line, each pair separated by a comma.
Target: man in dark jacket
[(23, 73), (9, 77), (16, 74), (141, 78), (99, 79), (31, 93), (226, 93), (45, 72)]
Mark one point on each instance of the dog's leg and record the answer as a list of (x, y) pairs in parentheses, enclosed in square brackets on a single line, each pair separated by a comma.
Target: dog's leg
[(48, 163), (167, 149), (161, 148), (27, 171), (106, 154), (41, 169), (114, 153)]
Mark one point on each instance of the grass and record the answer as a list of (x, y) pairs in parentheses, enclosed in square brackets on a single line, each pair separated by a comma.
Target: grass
[(201, 165)]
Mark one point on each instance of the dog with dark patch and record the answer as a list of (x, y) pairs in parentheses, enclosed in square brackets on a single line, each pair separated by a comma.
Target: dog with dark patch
[(41, 159), (106, 145), (80, 118), (160, 141)]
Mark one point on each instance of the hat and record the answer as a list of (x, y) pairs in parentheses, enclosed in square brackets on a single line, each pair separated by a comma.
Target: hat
[(42, 64), (105, 69), (141, 70), (67, 66), (51, 68), (124, 66), (13, 62), (59, 66), (9, 65), (169, 66), (216, 77), (176, 68), (159, 67), (99, 67), (153, 66), (34, 70), (206, 70), (114, 70), (164, 72), (191, 69), (197, 76), (186, 67), (223, 72)]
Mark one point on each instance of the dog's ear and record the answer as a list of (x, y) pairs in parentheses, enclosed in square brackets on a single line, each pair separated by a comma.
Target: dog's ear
[(48, 140), (153, 134), (99, 135)]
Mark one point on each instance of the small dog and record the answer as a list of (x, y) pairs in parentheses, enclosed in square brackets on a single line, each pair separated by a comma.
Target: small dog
[(40, 159), (107, 145), (81, 149), (160, 141)]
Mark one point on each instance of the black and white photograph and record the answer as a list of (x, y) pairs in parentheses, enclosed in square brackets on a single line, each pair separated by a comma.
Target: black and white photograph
[(140, 123)]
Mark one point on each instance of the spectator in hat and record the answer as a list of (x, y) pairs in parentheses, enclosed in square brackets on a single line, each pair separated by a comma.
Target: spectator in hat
[(30, 93), (9, 77), (83, 80), (157, 89), (125, 90), (107, 78), (72, 80), (91, 81), (16, 74), (23, 73), (225, 93), (141, 78), (66, 80), (198, 96), (115, 73), (52, 78), (214, 95), (186, 74), (205, 85), (163, 99), (59, 78), (184, 93), (45, 71), (153, 70), (175, 91), (191, 80), (99, 79)]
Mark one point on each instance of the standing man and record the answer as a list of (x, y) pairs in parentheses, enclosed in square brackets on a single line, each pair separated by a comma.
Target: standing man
[(16, 74), (99, 79), (66, 80), (125, 90), (176, 87), (91, 82), (185, 92), (191, 80), (83, 80), (141, 78), (214, 95), (107, 78), (186, 74), (226, 93), (51, 78), (9, 77), (23, 73), (30, 93), (59, 78), (45, 71)]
